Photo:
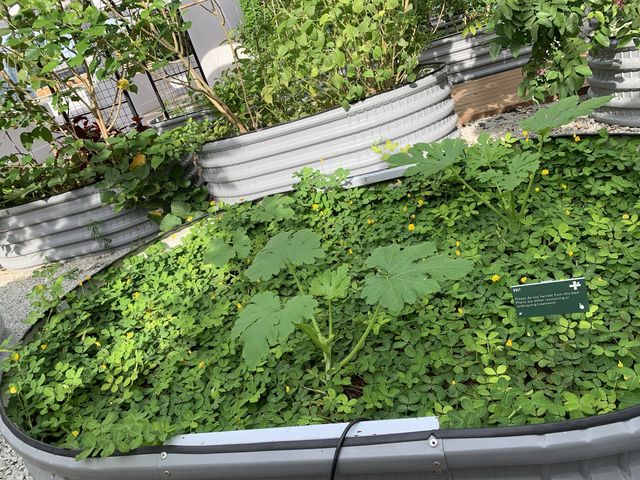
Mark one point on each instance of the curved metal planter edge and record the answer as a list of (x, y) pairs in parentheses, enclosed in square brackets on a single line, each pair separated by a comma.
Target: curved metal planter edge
[(468, 58), (263, 162), (67, 225), (605, 446)]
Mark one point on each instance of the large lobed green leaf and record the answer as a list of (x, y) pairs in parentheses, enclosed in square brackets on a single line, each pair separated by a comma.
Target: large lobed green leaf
[(561, 113), (285, 249), (331, 284), (429, 158), (265, 322), (406, 274), (220, 252)]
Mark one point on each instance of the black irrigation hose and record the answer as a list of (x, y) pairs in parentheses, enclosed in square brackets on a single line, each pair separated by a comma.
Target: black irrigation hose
[(336, 455)]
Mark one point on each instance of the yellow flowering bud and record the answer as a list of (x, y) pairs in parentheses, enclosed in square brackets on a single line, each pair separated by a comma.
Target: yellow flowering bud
[(98, 344), (75, 433), (212, 203), (537, 189), (460, 310), (570, 253), (564, 186), (315, 206), (350, 252), (544, 172), (525, 133), (13, 390), (458, 253), (136, 294), (287, 388), (523, 279), (43, 346), (129, 335), (457, 243), (625, 216), (412, 227), (509, 343), (370, 221), (620, 364), (495, 278), (123, 84), (576, 138), (238, 306), (420, 202), (189, 218), (15, 356), (201, 365), (453, 382)]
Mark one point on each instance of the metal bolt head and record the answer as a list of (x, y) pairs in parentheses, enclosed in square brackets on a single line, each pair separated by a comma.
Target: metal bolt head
[(433, 442), (436, 464), (166, 473), (163, 455)]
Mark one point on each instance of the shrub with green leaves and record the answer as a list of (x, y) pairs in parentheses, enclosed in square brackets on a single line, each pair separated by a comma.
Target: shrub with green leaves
[(562, 33), (216, 334)]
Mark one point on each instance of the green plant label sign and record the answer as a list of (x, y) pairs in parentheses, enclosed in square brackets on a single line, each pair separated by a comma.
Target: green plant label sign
[(551, 298)]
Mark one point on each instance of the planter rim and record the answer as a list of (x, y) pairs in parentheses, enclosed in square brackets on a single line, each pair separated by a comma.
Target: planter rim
[(48, 201), (593, 421), (274, 130)]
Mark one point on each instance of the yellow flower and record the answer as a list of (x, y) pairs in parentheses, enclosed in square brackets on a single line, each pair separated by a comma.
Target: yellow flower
[(544, 172), (75, 433), (564, 186), (15, 356), (453, 382), (201, 365), (412, 227), (460, 310), (13, 390), (370, 221), (458, 253), (570, 253), (457, 243), (413, 215), (97, 344), (43, 346), (404, 208), (620, 364), (409, 195), (350, 252), (495, 278), (80, 283), (420, 202), (287, 388), (238, 306), (123, 84), (526, 140), (567, 212), (625, 216), (523, 279), (139, 159), (189, 218), (103, 366), (576, 138), (509, 343), (537, 189), (315, 206), (212, 203), (129, 335), (87, 278), (136, 294), (525, 133)]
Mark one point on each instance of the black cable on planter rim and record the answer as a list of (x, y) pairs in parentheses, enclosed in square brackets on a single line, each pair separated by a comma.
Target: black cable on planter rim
[(336, 455)]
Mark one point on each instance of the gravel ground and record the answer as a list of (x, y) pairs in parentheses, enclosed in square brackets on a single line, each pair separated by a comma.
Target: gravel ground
[(15, 285)]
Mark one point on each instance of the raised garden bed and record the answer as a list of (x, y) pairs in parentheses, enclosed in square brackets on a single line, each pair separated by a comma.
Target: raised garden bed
[(156, 332), (261, 163), (65, 226)]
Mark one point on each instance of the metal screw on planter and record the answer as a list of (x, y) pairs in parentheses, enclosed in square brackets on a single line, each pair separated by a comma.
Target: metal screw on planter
[(167, 473), (433, 442), (163, 455)]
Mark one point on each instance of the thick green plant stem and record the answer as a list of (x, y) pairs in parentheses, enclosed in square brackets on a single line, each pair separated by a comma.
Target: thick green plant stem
[(527, 194), (481, 198), (363, 338)]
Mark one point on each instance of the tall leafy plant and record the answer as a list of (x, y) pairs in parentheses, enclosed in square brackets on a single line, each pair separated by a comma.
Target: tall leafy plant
[(561, 33)]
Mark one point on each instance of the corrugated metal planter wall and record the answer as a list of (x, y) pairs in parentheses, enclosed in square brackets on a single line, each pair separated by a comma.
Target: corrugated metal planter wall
[(65, 226), (261, 163), (468, 58), (617, 72), (598, 448)]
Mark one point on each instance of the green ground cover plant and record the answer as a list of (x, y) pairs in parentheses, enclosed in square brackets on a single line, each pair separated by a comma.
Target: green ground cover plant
[(177, 340)]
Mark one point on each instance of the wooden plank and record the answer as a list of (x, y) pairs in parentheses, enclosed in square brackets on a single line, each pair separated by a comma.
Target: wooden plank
[(488, 96)]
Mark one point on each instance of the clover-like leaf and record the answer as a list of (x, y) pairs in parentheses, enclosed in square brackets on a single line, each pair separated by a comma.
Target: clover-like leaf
[(561, 113), (220, 252), (285, 249), (429, 158), (331, 284), (273, 208), (406, 274), (266, 322)]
